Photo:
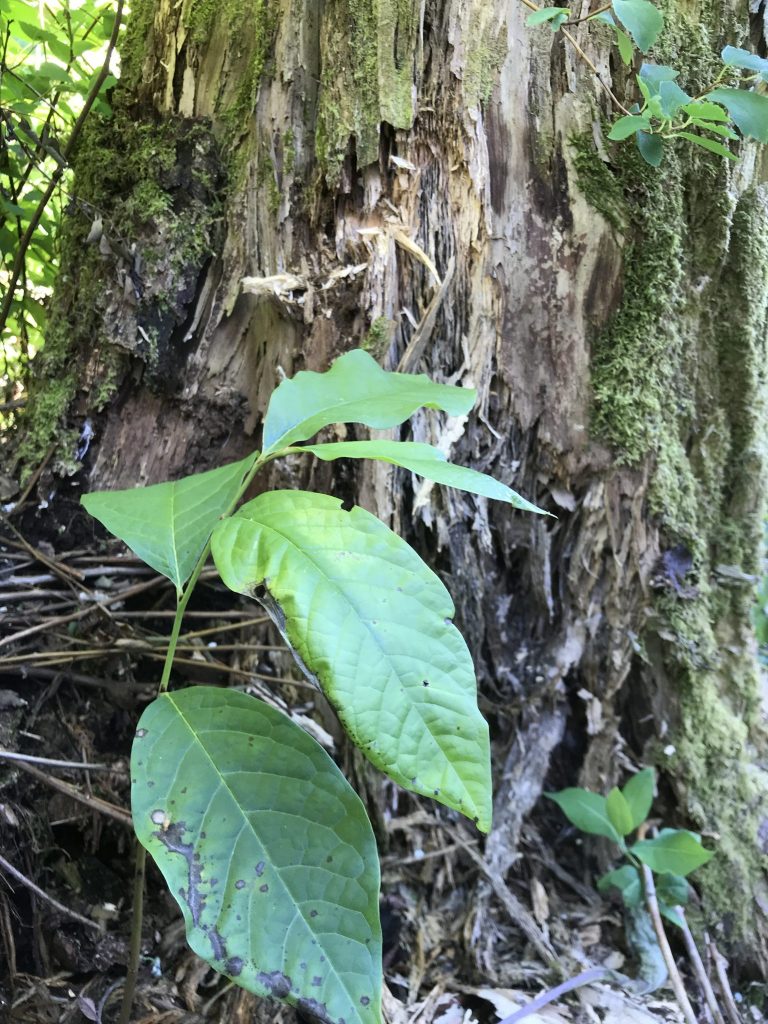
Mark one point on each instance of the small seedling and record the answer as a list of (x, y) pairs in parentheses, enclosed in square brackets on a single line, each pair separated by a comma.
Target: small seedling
[(262, 841), (659, 111), (671, 855)]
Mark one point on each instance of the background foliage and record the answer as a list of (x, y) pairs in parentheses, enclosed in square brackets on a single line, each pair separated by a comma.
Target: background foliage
[(50, 56)]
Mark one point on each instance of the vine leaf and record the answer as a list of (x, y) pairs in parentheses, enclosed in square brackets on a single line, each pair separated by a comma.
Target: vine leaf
[(266, 848), (167, 525), (749, 110), (651, 148), (734, 57), (708, 144), (629, 125), (426, 461), (354, 390), (402, 680), (642, 20)]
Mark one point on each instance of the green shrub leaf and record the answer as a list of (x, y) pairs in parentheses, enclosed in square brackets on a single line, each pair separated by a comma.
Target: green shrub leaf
[(619, 812), (709, 144), (651, 148), (627, 880), (642, 20), (638, 794), (702, 110), (736, 58), (167, 525), (673, 851), (654, 74), (626, 50), (748, 110), (265, 847), (354, 390), (402, 679), (426, 461), (627, 126), (587, 811), (545, 14), (672, 98)]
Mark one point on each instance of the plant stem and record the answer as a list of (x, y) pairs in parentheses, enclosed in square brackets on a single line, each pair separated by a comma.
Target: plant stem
[(698, 967), (183, 600), (134, 956), (674, 975), (614, 99)]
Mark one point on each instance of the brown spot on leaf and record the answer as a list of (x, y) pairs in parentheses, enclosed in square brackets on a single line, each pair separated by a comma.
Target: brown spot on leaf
[(240, 883), (234, 966), (275, 982), (365, 1001), (312, 1008), (264, 888), (260, 868)]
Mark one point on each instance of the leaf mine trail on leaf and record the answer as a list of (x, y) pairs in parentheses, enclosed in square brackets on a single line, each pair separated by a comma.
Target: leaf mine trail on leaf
[(373, 624), (266, 848)]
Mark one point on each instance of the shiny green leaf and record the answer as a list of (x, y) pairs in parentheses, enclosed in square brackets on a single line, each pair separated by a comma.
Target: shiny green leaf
[(354, 390), (627, 126), (167, 525), (401, 679), (641, 19), (749, 110), (619, 812), (265, 847), (426, 461), (708, 144)]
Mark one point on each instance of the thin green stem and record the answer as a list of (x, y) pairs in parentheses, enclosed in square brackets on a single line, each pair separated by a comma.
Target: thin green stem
[(186, 593)]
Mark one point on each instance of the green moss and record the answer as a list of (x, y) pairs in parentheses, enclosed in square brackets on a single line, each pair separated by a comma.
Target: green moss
[(378, 338), (679, 386), (367, 77), (486, 51)]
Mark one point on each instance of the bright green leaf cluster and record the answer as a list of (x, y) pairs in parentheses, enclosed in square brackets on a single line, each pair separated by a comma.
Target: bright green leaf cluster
[(668, 113), (51, 55), (246, 816), (672, 854)]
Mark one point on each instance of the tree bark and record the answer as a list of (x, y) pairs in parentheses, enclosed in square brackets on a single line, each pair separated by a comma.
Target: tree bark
[(283, 181)]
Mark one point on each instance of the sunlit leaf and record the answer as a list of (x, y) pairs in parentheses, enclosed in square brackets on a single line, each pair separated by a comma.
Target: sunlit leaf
[(402, 680), (426, 461), (167, 525), (354, 390)]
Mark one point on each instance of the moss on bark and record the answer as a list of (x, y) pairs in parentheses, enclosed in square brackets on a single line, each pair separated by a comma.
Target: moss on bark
[(679, 384)]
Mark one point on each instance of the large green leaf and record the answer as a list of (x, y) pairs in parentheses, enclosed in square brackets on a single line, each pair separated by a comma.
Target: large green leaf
[(673, 851), (642, 20), (354, 390), (587, 811), (168, 525), (749, 110), (424, 460), (373, 623), (265, 847)]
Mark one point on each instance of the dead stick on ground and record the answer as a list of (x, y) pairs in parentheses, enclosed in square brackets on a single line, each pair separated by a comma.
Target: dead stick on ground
[(11, 755), (674, 975), (516, 910), (12, 871), (94, 802), (721, 965), (698, 967)]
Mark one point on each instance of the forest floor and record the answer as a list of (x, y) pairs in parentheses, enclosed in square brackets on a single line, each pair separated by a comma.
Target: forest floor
[(81, 647)]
